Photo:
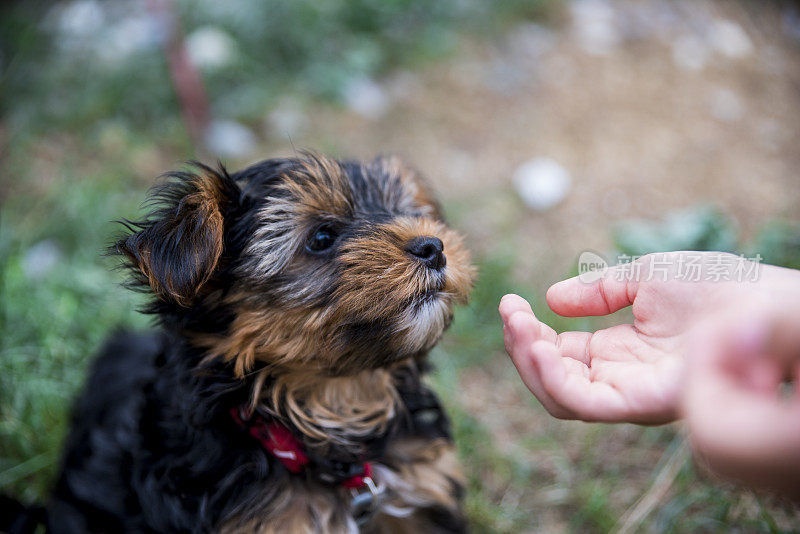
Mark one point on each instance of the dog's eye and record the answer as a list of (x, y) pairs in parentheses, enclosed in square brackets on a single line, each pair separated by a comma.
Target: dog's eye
[(322, 239)]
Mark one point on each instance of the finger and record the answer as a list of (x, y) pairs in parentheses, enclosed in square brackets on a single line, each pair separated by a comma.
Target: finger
[(571, 388), (514, 304), (521, 329), (575, 345), (521, 354), (531, 328), (508, 339), (572, 344), (511, 304), (575, 298)]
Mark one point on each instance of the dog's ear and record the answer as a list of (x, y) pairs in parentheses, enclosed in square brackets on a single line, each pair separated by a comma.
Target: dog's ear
[(177, 247)]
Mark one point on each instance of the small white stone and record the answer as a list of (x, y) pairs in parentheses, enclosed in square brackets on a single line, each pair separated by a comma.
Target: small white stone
[(366, 97), (531, 40), (594, 23), (287, 120), (128, 37), (229, 139), (210, 47), (726, 106), (690, 53), (80, 18), (542, 183), (40, 259), (729, 39)]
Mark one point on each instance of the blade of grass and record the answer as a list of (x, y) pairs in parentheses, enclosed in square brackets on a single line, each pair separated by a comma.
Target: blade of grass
[(672, 461), (26, 468)]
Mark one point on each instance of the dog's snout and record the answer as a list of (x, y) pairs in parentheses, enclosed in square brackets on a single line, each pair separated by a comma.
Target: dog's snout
[(429, 250)]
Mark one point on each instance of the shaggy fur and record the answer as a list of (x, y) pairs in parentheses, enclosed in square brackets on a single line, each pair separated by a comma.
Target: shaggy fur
[(309, 288)]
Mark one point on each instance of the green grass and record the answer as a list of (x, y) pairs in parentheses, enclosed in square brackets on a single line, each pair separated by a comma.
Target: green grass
[(53, 317)]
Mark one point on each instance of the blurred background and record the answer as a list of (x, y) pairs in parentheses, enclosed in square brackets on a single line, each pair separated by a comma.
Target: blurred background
[(547, 127)]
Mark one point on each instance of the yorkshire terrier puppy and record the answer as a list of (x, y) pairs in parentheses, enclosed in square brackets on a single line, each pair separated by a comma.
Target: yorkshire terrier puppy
[(297, 301)]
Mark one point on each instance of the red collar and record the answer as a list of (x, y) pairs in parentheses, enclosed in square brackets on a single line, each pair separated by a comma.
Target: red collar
[(285, 447)]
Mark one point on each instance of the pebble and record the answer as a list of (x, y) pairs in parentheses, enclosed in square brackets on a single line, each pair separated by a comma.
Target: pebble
[(40, 259), (729, 39), (726, 106), (690, 53), (594, 24), (287, 120), (366, 97), (229, 139), (542, 183), (129, 36), (210, 47), (80, 18), (531, 41)]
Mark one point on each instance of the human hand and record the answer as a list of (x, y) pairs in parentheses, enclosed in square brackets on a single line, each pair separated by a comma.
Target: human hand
[(742, 424), (632, 372)]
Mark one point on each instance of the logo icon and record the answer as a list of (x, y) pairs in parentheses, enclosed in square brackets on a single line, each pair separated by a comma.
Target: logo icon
[(591, 267)]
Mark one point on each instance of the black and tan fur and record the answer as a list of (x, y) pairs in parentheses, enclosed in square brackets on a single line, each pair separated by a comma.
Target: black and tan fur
[(330, 342)]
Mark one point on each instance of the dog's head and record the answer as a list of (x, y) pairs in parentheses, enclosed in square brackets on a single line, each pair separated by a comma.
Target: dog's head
[(306, 262)]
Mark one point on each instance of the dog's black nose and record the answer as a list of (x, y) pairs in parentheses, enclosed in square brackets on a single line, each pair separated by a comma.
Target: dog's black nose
[(428, 250)]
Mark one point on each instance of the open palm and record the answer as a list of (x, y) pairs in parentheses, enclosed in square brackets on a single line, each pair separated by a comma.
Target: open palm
[(626, 373)]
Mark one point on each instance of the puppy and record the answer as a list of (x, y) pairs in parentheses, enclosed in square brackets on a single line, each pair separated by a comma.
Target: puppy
[(296, 302)]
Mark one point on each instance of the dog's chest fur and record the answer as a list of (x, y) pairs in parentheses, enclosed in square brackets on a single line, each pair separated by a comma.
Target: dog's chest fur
[(154, 448), (385, 415)]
